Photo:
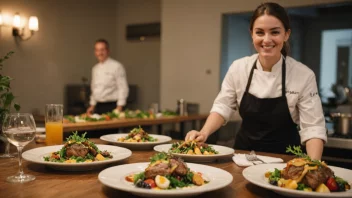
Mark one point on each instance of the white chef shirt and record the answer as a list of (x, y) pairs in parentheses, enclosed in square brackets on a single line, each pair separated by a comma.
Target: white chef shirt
[(301, 92), (109, 83)]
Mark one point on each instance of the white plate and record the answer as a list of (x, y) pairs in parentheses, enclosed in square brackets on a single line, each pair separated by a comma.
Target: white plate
[(224, 152), (114, 177), (36, 156), (255, 175), (112, 138)]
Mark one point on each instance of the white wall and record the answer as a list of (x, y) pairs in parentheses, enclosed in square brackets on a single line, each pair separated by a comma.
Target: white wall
[(141, 59), (61, 52), (191, 44)]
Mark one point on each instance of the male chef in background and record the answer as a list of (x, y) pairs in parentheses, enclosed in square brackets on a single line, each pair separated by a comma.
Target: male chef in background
[(109, 82)]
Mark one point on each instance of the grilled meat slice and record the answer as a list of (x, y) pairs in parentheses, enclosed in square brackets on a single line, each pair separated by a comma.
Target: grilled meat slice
[(106, 154), (162, 169), (90, 149), (78, 150), (292, 172), (315, 177), (181, 169)]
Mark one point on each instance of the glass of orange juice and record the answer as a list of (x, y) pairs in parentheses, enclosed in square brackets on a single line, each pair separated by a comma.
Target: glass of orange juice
[(53, 124)]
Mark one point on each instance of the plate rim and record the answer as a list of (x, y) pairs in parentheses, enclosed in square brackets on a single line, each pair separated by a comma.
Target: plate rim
[(290, 191), (185, 192), (128, 153)]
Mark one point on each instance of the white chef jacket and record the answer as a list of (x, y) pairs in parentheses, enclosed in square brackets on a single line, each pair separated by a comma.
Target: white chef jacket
[(301, 92), (109, 83)]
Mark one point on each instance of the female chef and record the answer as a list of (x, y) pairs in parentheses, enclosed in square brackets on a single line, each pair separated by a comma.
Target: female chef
[(272, 91)]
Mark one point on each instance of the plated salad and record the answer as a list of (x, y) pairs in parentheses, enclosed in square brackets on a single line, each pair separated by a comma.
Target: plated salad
[(115, 114), (166, 172), (78, 149), (303, 173), (192, 148), (137, 135)]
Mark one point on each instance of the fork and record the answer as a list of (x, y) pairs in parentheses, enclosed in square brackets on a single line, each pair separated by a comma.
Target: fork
[(252, 157)]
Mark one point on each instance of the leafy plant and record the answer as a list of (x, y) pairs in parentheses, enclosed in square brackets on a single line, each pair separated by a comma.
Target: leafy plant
[(6, 96)]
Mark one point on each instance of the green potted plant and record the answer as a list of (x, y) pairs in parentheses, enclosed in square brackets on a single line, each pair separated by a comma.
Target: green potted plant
[(6, 100)]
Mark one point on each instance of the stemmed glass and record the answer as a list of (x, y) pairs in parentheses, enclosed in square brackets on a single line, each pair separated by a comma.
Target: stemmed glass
[(6, 154), (19, 129)]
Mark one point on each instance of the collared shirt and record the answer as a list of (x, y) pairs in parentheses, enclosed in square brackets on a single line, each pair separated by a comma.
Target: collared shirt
[(109, 83), (301, 92)]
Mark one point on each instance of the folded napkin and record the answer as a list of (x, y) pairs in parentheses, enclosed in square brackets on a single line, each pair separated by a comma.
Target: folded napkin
[(240, 160)]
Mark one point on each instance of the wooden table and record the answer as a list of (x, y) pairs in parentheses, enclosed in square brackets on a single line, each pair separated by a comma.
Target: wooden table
[(132, 122), (52, 183)]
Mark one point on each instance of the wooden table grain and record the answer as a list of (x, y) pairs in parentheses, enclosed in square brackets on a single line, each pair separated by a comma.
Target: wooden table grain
[(53, 183)]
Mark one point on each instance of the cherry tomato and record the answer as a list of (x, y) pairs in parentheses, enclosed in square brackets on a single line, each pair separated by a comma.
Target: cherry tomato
[(151, 183), (107, 117), (331, 184)]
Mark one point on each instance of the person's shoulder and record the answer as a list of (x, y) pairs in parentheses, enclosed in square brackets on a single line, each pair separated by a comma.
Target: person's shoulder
[(114, 63), (95, 66), (243, 63), (299, 68)]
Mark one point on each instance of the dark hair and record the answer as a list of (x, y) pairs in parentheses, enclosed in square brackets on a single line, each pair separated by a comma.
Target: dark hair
[(277, 11), (103, 41)]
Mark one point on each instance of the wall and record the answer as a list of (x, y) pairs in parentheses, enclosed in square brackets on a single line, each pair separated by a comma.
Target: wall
[(141, 59), (61, 52), (191, 45)]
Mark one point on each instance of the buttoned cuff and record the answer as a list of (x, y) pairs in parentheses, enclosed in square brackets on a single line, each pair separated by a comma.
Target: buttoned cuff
[(121, 102), (224, 111), (313, 132)]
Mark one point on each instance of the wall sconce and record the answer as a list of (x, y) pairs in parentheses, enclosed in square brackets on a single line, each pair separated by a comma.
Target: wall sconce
[(18, 28)]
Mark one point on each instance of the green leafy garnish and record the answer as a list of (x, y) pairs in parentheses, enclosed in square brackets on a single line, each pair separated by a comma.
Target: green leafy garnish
[(301, 186), (275, 176), (138, 177), (159, 156), (136, 130), (296, 150), (76, 138), (70, 118), (62, 152)]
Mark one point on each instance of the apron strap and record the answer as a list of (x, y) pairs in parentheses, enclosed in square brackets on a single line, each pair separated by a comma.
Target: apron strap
[(251, 75), (283, 76)]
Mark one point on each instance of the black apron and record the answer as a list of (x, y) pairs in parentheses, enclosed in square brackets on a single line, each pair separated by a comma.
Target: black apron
[(267, 124), (104, 107)]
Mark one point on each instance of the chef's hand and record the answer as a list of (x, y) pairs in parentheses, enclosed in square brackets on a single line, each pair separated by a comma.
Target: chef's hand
[(119, 108), (196, 135), (90, 109)]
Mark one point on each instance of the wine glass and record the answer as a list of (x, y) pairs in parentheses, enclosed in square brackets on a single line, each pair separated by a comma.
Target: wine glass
[(7, 153), (19, 129)]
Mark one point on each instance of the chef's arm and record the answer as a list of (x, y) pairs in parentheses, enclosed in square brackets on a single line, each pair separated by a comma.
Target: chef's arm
[(213, 123), (315, 148), (312, 121)]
